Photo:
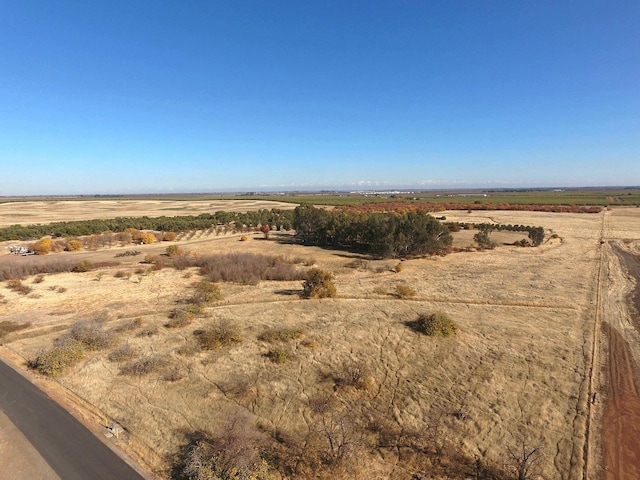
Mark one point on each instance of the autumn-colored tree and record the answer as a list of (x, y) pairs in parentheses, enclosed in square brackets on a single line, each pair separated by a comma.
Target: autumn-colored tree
[(265, 229), (148, 238), (73, 245), (42, 247), (169, 236)]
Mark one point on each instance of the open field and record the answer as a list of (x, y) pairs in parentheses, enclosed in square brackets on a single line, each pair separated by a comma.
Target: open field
[(519, 370)]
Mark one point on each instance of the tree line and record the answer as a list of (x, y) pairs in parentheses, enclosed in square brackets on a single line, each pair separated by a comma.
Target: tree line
[(281, 219), (380, 234)]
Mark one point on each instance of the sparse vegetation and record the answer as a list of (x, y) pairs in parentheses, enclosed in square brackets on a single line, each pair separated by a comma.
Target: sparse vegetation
[(280, 334), (19, 287), (123, 353), (434, 324), (280, 355), (6, 327)]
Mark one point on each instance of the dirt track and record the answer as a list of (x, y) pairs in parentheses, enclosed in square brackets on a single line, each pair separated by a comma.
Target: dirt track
[(621, 418)]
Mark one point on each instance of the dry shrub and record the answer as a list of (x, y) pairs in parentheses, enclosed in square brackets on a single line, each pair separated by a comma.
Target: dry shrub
[(28, 268), (221, 335), (122, 274), (54, 361), (6, 327), (398, 268), (169, 236), (434, 324), (353, 374), (91, 334), (144, 366), (181, 317), (148, 332), (122, 354), (244, 238), (73, 245), (358, 264), (247, 268), (83, 266), (405, 291), (280, 355), (19, 287), (38, 279), (61, 289), (189, 349), (206, 292), (318, 284), (231, 452), (182, 261), (175, 374), (173, 251), (280, 334)]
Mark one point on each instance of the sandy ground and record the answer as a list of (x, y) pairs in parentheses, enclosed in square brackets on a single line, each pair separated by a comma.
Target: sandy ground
[(519, 369), (19, 459)]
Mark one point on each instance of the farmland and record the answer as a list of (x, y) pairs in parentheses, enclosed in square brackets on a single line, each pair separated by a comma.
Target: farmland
[(538, 331)]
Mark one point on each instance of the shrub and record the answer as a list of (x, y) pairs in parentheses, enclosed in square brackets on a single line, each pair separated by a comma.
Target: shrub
[(144, 366), (83, 266), (189, 349), (19, 287), (206, 292), (223, 334), (38, 279), (148, 238), (173, 251), (318, 284), (73, 245), (181, 317), (434, 324), (148, 332), (91, 335), (280, 355), (53, 362), (244, 238), (122, 354), (398, 268), (42, 247), (405, 291), (483, 239), (122, 274), (169, 236), (247, 268), (381, 290), (353, 374), (280, 334)]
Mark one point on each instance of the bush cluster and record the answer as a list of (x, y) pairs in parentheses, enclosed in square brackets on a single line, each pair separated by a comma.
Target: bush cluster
[(144, 366), (434, 324), (280, 335), (247, 268)]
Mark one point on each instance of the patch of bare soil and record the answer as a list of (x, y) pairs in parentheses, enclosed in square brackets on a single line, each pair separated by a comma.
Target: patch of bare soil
[(621, 418)]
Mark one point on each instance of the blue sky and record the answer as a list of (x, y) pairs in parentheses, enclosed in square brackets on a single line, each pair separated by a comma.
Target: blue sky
[(169, 96)]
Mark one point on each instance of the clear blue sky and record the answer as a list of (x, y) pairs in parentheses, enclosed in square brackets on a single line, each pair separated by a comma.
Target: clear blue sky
[(184, 96)]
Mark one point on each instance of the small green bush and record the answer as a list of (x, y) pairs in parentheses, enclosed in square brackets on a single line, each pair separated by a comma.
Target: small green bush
[(318, 284), (206, 292), (434, 324)]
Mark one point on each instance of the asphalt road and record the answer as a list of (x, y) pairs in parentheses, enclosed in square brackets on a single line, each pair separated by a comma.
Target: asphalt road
[(71, 450)]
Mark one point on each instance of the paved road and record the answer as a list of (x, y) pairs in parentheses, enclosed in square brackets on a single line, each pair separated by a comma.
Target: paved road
[(71, 450)]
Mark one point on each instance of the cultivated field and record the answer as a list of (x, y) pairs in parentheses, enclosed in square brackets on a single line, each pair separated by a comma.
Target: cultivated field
[(518, 374)]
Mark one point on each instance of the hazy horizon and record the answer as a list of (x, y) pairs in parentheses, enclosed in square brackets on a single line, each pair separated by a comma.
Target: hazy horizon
[(164, 97)]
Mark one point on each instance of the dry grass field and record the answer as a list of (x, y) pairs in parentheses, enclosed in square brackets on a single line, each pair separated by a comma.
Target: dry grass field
[(517, 373)]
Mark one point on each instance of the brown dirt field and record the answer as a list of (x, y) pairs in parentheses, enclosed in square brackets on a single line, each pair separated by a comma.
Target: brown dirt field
[(519, 368), (621, 417)]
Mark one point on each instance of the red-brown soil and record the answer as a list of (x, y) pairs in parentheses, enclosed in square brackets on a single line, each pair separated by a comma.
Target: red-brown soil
[(621, 420)]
